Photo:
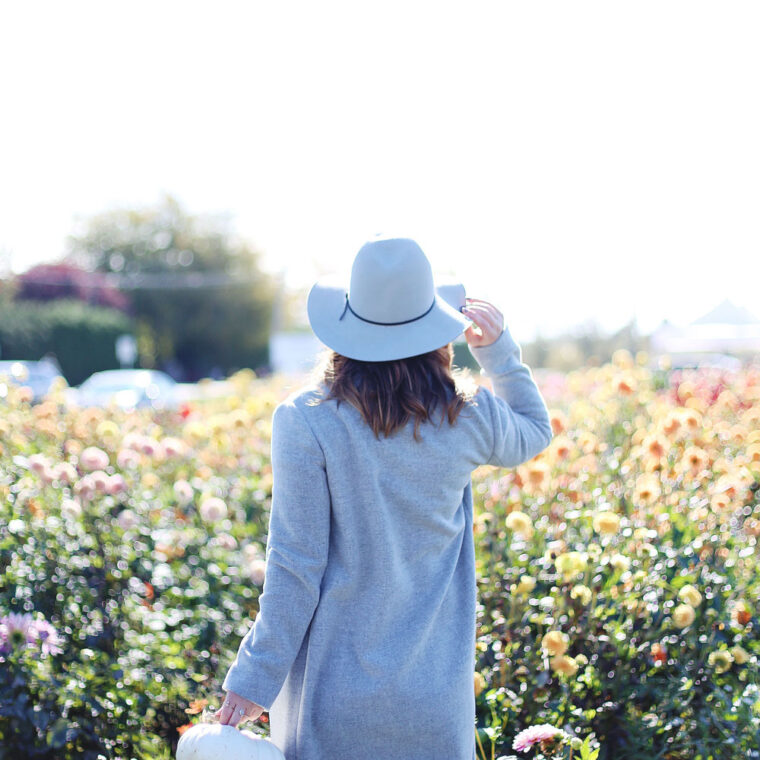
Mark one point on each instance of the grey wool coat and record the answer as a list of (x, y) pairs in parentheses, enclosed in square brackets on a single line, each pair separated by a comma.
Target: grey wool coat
[(364, 644)]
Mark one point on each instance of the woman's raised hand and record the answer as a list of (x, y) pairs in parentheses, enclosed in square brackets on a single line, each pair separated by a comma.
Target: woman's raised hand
[(487, 318)]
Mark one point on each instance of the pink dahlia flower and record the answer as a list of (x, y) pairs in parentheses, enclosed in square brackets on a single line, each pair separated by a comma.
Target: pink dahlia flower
[(173, 447), (16, 630), (37, 463), (116, 484), (131, 441), (48, 475), (93, 458), (19, 630), (85, 487), (148, 446), (65, 472), (533, 735), (126, 459), (50, 641), (100, 480)]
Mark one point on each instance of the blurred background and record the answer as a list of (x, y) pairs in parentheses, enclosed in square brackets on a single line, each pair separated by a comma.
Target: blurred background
[(174, 177)]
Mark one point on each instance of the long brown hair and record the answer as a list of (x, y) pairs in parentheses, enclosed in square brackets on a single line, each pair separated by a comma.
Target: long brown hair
[(389, 393)]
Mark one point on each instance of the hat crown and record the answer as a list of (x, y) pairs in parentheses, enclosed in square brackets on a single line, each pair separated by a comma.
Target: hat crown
[(391, 281)]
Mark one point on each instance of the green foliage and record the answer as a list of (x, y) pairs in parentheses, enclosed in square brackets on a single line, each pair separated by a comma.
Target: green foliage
[(586, 752), (81, 336), (463, 357), (646, 686), (152, 594), (197, 293), (582, 345), (150, 598)]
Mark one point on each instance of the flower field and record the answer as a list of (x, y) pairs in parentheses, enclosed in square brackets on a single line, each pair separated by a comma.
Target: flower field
[(618, 570)]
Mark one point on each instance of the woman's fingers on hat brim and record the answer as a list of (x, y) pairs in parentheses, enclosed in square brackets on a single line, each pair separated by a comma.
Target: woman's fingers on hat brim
[(476, 314), (478, 302), (490, 314), (484, 317), (483, 305)]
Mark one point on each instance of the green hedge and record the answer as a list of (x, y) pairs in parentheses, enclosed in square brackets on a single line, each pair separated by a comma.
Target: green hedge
[(81, 336)]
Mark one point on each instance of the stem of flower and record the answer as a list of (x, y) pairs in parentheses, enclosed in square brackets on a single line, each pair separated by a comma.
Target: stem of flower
[(482, 751)]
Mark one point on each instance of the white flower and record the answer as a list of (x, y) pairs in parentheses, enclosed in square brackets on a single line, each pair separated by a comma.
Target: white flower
[(257, 571), (127, 519), (183, 491), (23, 496), (225, 540), (213, 509), (71, 508), (620, 562)]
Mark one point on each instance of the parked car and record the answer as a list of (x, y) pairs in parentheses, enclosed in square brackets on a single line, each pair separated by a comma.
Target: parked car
[(37, 375), (128, 389)]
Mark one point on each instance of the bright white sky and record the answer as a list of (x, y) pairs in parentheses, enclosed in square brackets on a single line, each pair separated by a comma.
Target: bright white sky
[(569, 161)]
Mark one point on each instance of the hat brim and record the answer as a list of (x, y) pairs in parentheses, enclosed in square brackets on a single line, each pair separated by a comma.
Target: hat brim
[(357, 339)]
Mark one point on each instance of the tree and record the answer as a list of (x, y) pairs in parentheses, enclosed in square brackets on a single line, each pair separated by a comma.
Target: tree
[(197, 293), (8, 284)]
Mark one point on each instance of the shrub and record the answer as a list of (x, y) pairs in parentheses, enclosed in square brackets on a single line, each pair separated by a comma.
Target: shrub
[(81, 336)]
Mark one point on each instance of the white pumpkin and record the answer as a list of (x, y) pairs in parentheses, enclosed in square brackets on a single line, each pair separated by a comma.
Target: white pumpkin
[(213, 741)]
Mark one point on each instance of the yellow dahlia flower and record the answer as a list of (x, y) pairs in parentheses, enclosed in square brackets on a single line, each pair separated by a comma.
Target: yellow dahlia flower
[(564, 664), (690, 595), (683, 615), (555, 642), (721, 660), (520, 523), (581, 592), (647, 489), (606, 523), (525, 585), (740, 655), (570, 564)]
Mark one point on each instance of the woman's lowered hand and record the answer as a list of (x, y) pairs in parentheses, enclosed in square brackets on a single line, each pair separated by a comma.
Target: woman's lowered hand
[(236, 708)]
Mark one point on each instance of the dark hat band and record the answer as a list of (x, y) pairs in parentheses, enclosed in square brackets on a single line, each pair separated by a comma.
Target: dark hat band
[(387, 324)]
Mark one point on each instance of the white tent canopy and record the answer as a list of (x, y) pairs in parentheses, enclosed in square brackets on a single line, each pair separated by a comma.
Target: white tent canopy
[(726, 329)]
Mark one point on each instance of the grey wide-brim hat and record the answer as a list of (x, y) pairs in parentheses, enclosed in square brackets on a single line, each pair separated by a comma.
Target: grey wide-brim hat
[(391, 308)]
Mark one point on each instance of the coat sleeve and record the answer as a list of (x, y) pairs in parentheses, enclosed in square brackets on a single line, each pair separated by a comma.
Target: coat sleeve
[(520, 426), (296, 556)]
